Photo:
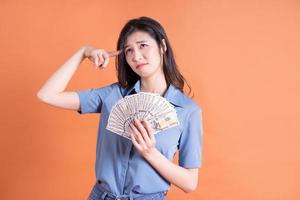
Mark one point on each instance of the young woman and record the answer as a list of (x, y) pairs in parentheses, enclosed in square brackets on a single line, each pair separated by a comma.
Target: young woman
[(140, 168)]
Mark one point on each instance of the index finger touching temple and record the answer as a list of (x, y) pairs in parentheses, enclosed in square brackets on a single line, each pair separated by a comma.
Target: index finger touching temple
[(114, 53)]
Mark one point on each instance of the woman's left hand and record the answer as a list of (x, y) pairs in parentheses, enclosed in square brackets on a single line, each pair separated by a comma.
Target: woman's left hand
[(142, 137)]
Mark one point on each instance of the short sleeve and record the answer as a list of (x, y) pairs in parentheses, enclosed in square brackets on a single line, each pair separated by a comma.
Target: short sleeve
[(190, 144), (91, 100)]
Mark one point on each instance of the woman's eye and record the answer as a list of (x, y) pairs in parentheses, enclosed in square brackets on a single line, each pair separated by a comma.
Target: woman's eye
[(127, 51), (143, 45)]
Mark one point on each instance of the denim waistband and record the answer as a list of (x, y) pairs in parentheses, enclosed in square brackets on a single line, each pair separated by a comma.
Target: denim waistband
[(101, 193)]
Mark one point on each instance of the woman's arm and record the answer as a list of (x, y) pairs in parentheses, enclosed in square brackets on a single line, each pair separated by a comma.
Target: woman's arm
[(185, 179), (144, 141), (53, 92)]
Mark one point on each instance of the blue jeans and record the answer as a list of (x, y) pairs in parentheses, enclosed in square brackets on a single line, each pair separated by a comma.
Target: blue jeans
[(100, 193)]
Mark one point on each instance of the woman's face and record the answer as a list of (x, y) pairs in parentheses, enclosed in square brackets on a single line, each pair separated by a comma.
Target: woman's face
[(143, 54)]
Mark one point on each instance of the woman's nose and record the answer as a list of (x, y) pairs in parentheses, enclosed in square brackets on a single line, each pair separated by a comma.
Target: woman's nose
[(137, 56)]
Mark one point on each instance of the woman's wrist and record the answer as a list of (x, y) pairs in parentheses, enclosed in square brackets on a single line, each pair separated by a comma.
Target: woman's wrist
[(85, 50), (151, 154)]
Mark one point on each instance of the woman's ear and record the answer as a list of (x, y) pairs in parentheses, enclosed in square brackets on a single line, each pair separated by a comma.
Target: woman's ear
[(164, 46)]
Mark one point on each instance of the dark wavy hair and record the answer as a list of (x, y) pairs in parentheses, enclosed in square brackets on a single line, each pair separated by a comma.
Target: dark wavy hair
[(126, 76)]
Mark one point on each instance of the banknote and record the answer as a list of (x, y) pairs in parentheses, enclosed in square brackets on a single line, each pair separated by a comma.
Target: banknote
[(152, 107)]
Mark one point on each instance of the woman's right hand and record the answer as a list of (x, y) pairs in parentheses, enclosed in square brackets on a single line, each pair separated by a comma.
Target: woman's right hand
[(99, 57)]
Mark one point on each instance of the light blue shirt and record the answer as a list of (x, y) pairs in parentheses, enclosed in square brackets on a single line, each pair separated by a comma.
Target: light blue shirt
[(119, 166)]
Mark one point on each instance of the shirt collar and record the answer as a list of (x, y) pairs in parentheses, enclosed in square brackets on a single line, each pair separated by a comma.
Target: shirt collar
[(136, 88), (173, 95)]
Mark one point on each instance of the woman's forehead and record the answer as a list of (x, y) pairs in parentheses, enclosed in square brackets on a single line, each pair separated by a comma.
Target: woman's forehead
[(138, 37)]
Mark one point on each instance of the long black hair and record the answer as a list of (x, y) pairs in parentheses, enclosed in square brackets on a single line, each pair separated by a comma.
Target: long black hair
[(126, 76)]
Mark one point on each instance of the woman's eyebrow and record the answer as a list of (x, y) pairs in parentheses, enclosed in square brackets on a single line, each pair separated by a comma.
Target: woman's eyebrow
[(142, 41)]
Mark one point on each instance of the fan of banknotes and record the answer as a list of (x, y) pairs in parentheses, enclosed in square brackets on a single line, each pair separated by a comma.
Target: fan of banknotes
[(148, 106)]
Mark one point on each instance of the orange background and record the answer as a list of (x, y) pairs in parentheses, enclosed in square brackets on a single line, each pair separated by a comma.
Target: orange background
[(241, 58)]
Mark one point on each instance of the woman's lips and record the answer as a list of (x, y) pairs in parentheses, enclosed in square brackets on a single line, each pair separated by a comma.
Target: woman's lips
[(140, 65)]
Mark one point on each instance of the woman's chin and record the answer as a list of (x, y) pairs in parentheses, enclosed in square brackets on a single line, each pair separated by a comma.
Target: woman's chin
[(144, 74)]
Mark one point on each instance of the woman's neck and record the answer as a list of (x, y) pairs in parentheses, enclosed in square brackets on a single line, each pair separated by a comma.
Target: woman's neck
[(156, 84)]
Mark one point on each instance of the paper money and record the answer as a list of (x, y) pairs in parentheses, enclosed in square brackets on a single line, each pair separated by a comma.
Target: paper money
[(143, 106)]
